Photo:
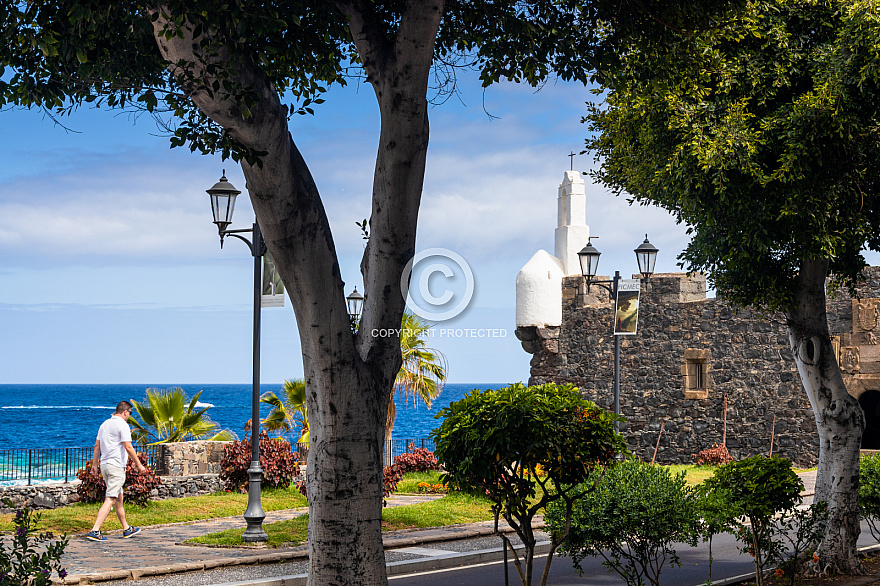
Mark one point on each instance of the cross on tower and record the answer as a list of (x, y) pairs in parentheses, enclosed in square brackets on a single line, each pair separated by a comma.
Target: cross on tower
[(571, 157)]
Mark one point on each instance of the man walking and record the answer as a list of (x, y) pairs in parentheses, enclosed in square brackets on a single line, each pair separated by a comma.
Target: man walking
[(114, 447)]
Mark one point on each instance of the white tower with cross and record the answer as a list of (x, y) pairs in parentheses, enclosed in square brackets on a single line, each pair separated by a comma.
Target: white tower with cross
[(539, 282)]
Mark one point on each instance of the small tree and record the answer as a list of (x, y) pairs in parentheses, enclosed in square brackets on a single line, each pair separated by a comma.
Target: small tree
[(869, 493), (496, 441), (632, 517), (717, 513), (759, 488)]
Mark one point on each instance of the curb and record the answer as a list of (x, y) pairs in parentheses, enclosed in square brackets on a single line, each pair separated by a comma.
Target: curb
[(439, 562)]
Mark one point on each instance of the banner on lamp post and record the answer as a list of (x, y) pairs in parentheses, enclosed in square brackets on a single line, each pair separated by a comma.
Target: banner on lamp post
[(626, 307), (273, 288)]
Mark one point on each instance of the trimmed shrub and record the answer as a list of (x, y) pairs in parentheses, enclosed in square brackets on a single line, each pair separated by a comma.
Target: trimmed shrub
[(417, 460), (714, 456), (758, 489), (137, 487), (277, 460), (32, 556), (632, 518)]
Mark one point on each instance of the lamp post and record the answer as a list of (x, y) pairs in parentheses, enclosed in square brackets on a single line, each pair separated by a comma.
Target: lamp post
[(646, 257), (223, 196)]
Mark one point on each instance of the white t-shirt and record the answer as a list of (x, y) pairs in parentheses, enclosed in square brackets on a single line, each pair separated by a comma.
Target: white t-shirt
[(112, 434)]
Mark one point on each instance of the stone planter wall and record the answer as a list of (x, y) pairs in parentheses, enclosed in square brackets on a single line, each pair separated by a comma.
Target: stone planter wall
[(188, 458), (51, 496)]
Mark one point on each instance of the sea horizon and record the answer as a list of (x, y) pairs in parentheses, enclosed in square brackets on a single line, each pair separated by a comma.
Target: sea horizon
[(72, 412)]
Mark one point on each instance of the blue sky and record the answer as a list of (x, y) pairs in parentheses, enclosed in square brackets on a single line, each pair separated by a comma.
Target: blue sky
[(111, 271)]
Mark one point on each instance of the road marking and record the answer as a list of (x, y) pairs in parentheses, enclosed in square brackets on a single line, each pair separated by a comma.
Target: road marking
[(457, 568), (426, 551)]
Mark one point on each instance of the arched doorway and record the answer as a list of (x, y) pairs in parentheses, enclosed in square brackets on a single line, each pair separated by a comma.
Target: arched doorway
[(870, 402)]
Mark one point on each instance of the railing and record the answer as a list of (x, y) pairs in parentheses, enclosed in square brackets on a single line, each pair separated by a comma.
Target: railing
[(395, 447), (27, 465)]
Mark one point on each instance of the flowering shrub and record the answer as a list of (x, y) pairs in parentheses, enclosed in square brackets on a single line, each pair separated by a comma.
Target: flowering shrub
[(277, 460), (23, 564), (714, 456), (137, 487), (431, 488), (417, 460)]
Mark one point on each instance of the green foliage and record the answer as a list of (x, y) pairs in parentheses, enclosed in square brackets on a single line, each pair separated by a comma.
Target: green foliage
[(169, 416), (32, 556), (632, 517), (493, 442), (137, 486), (759, 488), (757, 133), (717, 515), (869, 492), (277, 461), (290, 413)]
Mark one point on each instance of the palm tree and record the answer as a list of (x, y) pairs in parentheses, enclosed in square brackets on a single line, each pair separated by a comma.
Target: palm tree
[(422, 374), (290, 413), (166, 417)]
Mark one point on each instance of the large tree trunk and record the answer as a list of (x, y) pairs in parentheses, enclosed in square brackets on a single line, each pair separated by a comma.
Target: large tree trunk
[(348, 377), (839, 419)]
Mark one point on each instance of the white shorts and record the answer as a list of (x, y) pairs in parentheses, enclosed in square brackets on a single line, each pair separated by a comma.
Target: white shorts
[(114, 478)]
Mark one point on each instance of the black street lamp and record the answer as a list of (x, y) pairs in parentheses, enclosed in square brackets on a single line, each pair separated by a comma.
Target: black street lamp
[(355, 307), (646, 256), (223, 196)]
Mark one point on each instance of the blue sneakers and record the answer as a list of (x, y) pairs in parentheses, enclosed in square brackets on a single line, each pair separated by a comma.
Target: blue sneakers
[(130, 532), (95, 536)]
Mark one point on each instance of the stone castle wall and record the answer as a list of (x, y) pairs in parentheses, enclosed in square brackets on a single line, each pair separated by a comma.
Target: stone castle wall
[(690, 353)]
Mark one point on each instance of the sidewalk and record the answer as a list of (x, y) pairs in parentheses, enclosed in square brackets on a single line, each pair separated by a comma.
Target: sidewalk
[(158, 550)]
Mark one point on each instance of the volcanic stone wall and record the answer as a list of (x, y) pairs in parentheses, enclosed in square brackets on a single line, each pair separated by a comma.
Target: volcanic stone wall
[(689, 354)]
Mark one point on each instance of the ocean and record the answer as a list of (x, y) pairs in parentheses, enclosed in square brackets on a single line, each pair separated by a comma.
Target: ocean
[(60, 416)]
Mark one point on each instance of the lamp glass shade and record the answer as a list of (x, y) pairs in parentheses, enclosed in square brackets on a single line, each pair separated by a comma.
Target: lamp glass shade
[(646, 256), (589, 259), (223, 196), (355, 304)]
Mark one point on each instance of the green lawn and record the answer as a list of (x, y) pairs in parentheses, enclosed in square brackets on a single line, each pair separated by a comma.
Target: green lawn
[(80, 517), (451, 509)]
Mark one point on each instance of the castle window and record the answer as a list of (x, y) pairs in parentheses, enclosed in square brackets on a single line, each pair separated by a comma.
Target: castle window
[(696, 374)]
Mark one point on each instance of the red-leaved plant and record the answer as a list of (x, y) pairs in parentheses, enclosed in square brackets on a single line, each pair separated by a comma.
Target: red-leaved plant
[(714, 456), (137, 487), (277, 460), (416, 460)]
